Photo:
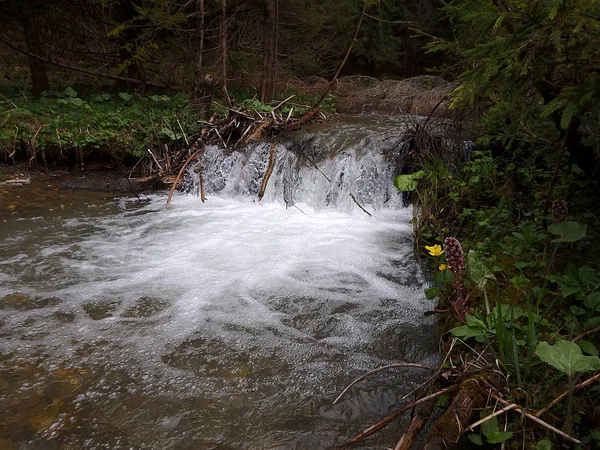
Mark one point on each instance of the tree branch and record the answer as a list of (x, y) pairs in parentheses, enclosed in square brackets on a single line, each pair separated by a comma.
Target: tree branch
[(86, 71)]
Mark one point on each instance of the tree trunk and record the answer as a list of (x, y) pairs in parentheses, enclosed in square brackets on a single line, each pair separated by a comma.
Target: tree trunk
[(129, 66), (202, 96), (37, 68), (269, 72), (223, 50)]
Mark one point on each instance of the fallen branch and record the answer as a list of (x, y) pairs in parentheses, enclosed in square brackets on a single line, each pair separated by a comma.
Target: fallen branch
[(540, 421), (379, 369), (388, 419), (416, 425), (265, 180), (180, 174), (491, 416), (449, 427)]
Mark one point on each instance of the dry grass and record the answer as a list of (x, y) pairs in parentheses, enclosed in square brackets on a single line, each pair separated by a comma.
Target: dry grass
[(422, 96)]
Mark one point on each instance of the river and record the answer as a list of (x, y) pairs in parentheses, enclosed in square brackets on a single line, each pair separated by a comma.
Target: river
[(230, 324)]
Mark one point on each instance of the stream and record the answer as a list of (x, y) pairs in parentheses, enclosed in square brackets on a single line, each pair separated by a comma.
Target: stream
[(230, 324)]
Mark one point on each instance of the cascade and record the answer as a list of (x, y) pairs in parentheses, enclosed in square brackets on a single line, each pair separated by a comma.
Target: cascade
[(339, 169), (233, 323)]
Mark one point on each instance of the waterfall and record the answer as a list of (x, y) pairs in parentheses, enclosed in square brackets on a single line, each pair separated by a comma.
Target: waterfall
[(343, 168), (233, 323)]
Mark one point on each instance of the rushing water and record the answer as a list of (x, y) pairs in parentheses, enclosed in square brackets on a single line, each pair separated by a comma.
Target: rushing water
[(232, 324)]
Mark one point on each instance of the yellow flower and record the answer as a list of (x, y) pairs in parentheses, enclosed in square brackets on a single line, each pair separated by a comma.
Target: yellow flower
[(434, 250), (442, 267)]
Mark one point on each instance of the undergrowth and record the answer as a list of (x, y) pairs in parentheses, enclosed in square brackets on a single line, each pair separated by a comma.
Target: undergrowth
[(528, 291), (64, 126)]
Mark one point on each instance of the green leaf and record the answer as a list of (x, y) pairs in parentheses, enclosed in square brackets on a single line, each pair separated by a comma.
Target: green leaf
[(431, 293), (544, 444), (588, 347), (475, 439), (492, 432), (442, 401), (70, 92), (478, 272), (520, 281), (444, 276), (166, 131), (125, 96), (567, 357), (474, 328), (592, 301), (576, 310), (407, 183), (569, 231)]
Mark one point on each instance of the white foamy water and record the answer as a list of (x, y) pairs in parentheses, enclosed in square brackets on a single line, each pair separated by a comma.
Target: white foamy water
[(229, 324)]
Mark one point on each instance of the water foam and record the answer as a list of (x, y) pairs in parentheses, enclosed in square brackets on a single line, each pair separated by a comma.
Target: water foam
[(233, 321)]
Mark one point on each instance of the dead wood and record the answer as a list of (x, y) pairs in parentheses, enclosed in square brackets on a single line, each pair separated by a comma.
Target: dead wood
[(265, 180), (538, 420), (360, 206), (180, 174), (448, 429), (393, 416), (564, 394), (259, 132), (419, 420)]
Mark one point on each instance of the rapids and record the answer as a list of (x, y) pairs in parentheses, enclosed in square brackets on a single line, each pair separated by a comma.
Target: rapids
[(232, 324)]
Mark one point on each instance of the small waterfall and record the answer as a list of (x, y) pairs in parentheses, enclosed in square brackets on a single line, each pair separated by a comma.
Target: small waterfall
[(233, 323), (340, 168)]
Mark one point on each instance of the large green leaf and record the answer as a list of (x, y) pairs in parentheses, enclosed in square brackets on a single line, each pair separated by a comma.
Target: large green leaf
[(592, 301), (568, 231), (567, 357), (408, 183), (478, 272)]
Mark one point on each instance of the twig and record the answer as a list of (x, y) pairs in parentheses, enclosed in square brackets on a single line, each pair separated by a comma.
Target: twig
[(491, 416), (388, 419), (155, 160), (419, 420), (379, 369), (360, 206), (585, 333), (180, 174), (550, 405), (283, 102), (181, 128), (540, 421)]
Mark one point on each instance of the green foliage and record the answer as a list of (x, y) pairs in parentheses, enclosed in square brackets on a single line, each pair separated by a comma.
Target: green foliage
[(408, 183), (115, 124), (567, 357), (568, 231), (533, 65)]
